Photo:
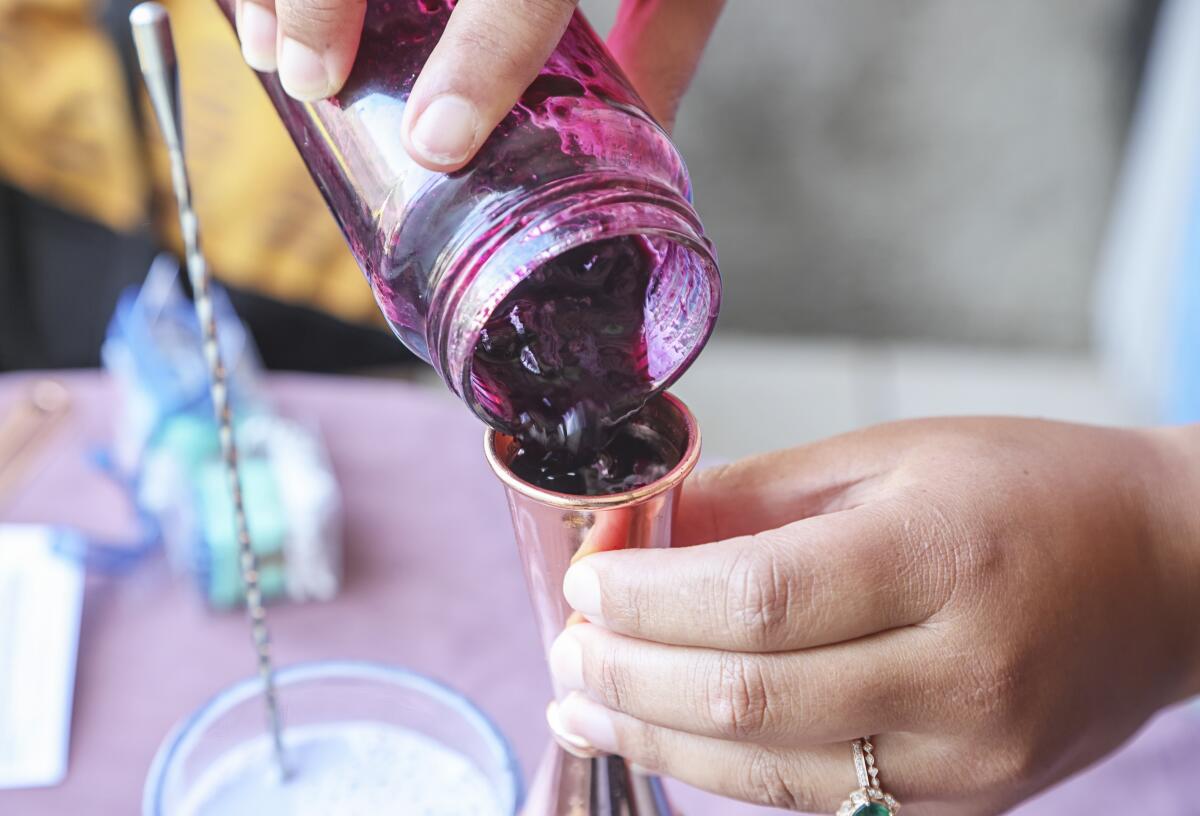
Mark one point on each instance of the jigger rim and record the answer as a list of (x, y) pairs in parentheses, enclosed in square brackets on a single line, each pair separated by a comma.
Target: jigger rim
[(569, 501)]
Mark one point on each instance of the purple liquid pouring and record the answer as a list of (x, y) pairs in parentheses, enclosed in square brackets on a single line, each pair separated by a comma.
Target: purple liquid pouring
[(633, 457), (564, 359), (558, 281)]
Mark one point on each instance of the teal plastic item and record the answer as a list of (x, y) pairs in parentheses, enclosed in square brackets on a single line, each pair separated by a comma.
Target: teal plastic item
[(192, 441), (264, 516), (166, 446)]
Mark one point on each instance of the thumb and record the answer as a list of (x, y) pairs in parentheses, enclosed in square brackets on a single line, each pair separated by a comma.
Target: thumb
[(489, 54)]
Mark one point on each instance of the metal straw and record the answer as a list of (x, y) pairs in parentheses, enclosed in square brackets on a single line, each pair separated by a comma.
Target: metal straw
[(156, 55)]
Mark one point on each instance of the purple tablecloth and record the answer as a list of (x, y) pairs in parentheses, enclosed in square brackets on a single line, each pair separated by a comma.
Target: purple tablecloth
[(432, 583)]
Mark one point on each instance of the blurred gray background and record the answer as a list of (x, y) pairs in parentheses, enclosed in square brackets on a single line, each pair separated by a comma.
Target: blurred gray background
[(909, 199), (925, 169)]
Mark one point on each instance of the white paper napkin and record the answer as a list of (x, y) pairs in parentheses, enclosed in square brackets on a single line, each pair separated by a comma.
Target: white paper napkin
[(41, 594)]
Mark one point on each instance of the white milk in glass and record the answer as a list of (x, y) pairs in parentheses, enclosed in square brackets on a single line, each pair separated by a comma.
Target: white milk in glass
[(349, 769)]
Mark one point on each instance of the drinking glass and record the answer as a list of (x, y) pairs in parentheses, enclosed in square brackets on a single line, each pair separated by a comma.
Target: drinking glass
[(332, 696)]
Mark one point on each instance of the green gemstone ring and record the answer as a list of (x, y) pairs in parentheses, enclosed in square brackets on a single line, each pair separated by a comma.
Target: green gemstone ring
[(873, 809), (868, 799)]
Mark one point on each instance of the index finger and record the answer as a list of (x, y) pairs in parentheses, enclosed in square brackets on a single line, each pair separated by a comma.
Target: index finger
[(773, 489), (818, 581)]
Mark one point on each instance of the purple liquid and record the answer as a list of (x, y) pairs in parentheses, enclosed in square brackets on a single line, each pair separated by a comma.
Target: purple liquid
[(563, 359), (563, 364), (633, 457)]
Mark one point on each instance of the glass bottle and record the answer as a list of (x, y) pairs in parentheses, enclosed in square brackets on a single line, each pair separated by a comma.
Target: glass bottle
[(573, 227)]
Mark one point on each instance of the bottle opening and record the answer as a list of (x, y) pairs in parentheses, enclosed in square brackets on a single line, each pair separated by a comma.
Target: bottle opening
[(570, 308)]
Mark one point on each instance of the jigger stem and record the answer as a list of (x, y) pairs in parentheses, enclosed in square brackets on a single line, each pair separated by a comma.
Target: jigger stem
[(568, 785)]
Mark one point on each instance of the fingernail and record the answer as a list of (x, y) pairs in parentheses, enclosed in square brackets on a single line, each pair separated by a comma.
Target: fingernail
[(581, 586), (302, 71), (566, 661), (588, 720), (256, 30), (446, 130), (571, 742)]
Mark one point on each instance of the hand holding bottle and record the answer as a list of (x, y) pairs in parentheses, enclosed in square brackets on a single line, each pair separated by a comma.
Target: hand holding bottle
[(490, 52), (1001, 601)]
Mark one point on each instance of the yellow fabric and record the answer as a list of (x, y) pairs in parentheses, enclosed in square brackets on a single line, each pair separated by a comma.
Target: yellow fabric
[(66, 136)]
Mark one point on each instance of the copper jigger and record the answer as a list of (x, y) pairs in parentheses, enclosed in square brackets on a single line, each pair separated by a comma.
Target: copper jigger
[(552, 531)]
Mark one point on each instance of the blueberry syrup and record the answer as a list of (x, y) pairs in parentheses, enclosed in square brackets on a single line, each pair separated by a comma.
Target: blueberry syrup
[(563, 363), (635, 456)]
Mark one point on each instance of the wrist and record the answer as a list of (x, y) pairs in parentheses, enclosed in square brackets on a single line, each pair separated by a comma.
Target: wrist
[(1172, 503)]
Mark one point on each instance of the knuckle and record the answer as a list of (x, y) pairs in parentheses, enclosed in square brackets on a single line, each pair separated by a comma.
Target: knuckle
[(1004, 715), (645, 748), (1020, 758), (550, 10), (319, 24), (486, 41), (308, 18), (511, 40), (710, 479), (760, 596), (962, 763), (612, 683), (960, 553), (992, 694), (975, 557), (737, 699), (626, 603), (934, 555), (480, 35), (768, 782)]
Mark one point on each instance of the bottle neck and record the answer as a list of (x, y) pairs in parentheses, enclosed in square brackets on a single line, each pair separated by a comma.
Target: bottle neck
[(496, 254)]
